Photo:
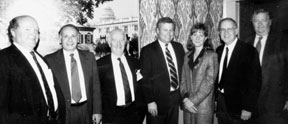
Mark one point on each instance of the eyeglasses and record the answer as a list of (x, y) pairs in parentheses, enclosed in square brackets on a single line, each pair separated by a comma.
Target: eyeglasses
[(222, 30)]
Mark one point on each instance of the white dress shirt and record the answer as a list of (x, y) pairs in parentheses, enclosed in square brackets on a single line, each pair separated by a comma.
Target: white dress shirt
[(170, 48), (46, 70), (230, 51), (263, 43), (118, 79), (67, 58)]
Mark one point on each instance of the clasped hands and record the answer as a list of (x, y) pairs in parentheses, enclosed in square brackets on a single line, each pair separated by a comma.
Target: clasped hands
[(188, 105)]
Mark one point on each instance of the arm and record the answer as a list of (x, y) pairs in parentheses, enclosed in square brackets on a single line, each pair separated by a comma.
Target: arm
[(4, 79), (184, 88), (145, 65), (207, 84), (253, 81), (97, 101)]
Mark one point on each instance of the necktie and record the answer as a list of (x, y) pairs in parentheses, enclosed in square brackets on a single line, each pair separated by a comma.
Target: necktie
[(127, 91), (47, 89), (75, 82), (172, 69), (221, 84), (259, 45)]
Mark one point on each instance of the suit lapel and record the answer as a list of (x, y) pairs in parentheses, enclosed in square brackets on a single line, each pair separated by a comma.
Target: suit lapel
[(62, 75), (162, 59), (27, 69), (177, 54), (219, 52), (269, 48), (133, 72), (85, 68), (235, 55)]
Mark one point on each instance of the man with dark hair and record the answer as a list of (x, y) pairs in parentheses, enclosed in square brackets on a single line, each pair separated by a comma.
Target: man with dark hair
[(239, 77), (76, 72), (161, 67), (271, 47), (29, 94)]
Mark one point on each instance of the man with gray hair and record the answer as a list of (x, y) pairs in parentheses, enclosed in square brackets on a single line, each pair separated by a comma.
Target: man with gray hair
[(117, 73)]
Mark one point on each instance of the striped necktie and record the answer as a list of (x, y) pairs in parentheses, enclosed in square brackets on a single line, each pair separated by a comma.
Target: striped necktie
[(172, 69)]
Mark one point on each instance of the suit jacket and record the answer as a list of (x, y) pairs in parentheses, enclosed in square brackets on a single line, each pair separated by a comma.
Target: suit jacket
[(274, 65), (108, 87), (242, 80), (21, 98), (57, 62), (156, 80)]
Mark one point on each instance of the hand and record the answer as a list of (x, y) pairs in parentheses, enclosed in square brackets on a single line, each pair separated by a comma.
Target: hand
[(286, 106), (152, 108), (96, 118), (189, 105), (245, 115)]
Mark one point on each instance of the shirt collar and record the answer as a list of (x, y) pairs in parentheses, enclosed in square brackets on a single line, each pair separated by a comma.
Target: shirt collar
[(163, 45), (114, 57), (21, 48), (66, 53), (232, 45)]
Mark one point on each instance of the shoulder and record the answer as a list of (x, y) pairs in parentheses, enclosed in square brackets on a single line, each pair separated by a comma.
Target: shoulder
[(86, 53), (210, 53), (220, 48), (52, 55), (178, 45), (150, 45), (104, 60), (246, 45)]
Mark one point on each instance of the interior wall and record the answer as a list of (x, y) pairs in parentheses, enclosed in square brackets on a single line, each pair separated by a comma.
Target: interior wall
[(185, 13)]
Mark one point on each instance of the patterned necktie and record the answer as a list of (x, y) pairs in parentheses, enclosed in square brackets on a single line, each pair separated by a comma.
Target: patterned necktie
[(172, 69), (221, 84), (75, 82), (50, 101), (128, 98), (259, 45)]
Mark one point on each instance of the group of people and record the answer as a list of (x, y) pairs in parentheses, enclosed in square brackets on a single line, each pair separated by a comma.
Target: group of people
[(243, 82)]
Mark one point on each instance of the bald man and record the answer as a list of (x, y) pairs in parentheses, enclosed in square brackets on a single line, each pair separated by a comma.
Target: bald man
[(28, 92)]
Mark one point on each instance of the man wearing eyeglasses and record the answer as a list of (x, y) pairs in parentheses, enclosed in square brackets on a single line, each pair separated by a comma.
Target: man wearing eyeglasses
[(239, 77)]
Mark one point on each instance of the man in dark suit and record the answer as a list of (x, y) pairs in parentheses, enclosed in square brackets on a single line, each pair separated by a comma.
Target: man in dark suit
[(76, 72), (28, 92), (239, 78), (161, 67), (117, 73), (271, 48)]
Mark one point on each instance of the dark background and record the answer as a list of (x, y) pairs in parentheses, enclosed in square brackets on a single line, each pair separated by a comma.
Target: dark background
[(278, 9)]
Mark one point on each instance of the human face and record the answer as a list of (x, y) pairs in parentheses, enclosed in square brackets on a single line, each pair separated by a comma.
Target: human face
[(117, 43), (261, 23), (198, 38), (165, 32), (69, 39), (27, 33), (228, 31)]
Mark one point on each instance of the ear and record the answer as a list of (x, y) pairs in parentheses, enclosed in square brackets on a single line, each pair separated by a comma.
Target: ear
[(60, 39), (12, 32)]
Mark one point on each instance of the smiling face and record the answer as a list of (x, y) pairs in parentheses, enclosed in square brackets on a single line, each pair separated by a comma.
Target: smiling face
[(27, 32), (198, 38), (69, 38), (228, 31), (165, 32), (117, 42), (261, 23)]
